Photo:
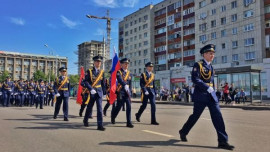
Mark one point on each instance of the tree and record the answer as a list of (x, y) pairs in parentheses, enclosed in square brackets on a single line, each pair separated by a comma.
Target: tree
[(39, 75), (4, 76), (74, 80), (51, 76)]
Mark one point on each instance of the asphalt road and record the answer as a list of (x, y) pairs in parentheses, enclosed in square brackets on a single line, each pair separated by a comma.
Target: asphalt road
[(29, 129)]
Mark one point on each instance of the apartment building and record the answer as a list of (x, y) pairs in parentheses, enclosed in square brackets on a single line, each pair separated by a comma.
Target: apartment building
[(237, 29), (86, 51), (174, 41), (23, 65)]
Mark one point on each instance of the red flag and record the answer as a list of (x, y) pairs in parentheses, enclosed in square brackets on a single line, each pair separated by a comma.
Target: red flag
[(115, 68), (79, 97)]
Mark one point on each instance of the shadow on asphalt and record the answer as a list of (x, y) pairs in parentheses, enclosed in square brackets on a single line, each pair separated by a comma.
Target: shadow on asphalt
[(55, 124), (151, 144)]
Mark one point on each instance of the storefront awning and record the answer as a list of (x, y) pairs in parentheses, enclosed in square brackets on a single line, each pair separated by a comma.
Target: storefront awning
[(237, 70)]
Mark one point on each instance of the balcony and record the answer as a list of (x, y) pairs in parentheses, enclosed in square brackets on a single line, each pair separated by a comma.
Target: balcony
[(175, 60), (160, 53)]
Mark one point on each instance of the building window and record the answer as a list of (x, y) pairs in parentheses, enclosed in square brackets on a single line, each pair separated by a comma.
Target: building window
[(189, 42), (145, 52), (247, 2), (249, 27), (145, 34), (126, 33), (223, 21), (170, 19), (188, 21), (202, 27), (214, 60), (234, 4), (203, 38), (249, 41), (224, 59), (223, 46), (203, 15), (188, 11), (189, 31), (213, 11), (267, 9), (145, 17), (213, 1), (126, 26), (248, 13), (234, 44), (145, 43), (223, 8), (145, 26), (213, 35), (235, 57), (267, 23), (250, 56), (130, 23), (234, 17), (223, 33), (189, 53), (213, 23), (202, 3), (267, 41), (139, 53), (234, 30), (145, 61)]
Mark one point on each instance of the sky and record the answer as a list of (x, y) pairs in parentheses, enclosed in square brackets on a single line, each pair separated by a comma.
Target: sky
[(27, 25)]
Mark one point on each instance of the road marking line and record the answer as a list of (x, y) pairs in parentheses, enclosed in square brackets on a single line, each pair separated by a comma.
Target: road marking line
[(157, 133), (205, 119)]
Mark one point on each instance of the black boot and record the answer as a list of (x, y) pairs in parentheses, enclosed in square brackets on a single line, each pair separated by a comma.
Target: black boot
[(137, 117), (225, 145), (101, 128), (183, 137), (129, 125)]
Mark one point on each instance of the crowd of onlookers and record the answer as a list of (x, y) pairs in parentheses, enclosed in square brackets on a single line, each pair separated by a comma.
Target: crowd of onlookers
[(228, 94), (225, 93)]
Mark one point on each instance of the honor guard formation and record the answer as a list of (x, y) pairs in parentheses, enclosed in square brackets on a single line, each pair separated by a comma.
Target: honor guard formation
[(95, 87)]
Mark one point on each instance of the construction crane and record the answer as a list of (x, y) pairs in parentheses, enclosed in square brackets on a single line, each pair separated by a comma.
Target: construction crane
[(108, 18)]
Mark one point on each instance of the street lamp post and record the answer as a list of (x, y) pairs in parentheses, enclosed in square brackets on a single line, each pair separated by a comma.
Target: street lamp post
[(52, 52)]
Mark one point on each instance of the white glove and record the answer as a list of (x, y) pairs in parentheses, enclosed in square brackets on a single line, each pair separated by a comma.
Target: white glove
[(57, 95), (127, 88), (23, 93), (210, 90), (146, 93), (93, 91), (11, 93), (36, 95)]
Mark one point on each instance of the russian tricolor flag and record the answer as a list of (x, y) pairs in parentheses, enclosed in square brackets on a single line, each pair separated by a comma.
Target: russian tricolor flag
[(115, 68)]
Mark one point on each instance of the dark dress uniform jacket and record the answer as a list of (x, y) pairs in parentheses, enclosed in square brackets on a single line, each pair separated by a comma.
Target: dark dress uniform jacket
[(120, 80), (201, 84), (65, 87), (152, 88), (88, 82)]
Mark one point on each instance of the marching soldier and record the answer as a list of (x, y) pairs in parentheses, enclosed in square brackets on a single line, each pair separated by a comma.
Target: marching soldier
[(26, 101), (31, 92), (1, 94), (107, 98), (86, 99), (46, 95), (41, 90), (13, 99), (124, 93), (21, 87), (61, 88), (51, 93), (7, 90), (205, 96), (147, 83), (94, 82)]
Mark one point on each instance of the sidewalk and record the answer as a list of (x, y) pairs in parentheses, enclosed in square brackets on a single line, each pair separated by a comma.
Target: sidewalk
[(264, 105)]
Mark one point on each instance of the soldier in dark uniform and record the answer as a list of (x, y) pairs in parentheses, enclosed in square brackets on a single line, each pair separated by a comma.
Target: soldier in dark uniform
[(1, 94), (147, 83), (108, 99), (7, 90), (41, 90), (21, 87), (26, 96), (85, 93), (51, 93), (31, 92), (205, 96), (61, 88), (125, 91), (95, 82), (46, 94)]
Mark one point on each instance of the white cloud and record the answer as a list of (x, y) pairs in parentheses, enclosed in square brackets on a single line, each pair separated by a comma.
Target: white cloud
[(17, 21), (70, 24), (130, 3), (116, 3)]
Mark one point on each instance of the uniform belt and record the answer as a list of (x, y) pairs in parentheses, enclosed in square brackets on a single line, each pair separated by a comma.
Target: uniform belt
[(40, 92), (149, 86), (21, 89), (209, 84), (8, 88), (31, 89), (98, 86), (64, 89), (51, 90)]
